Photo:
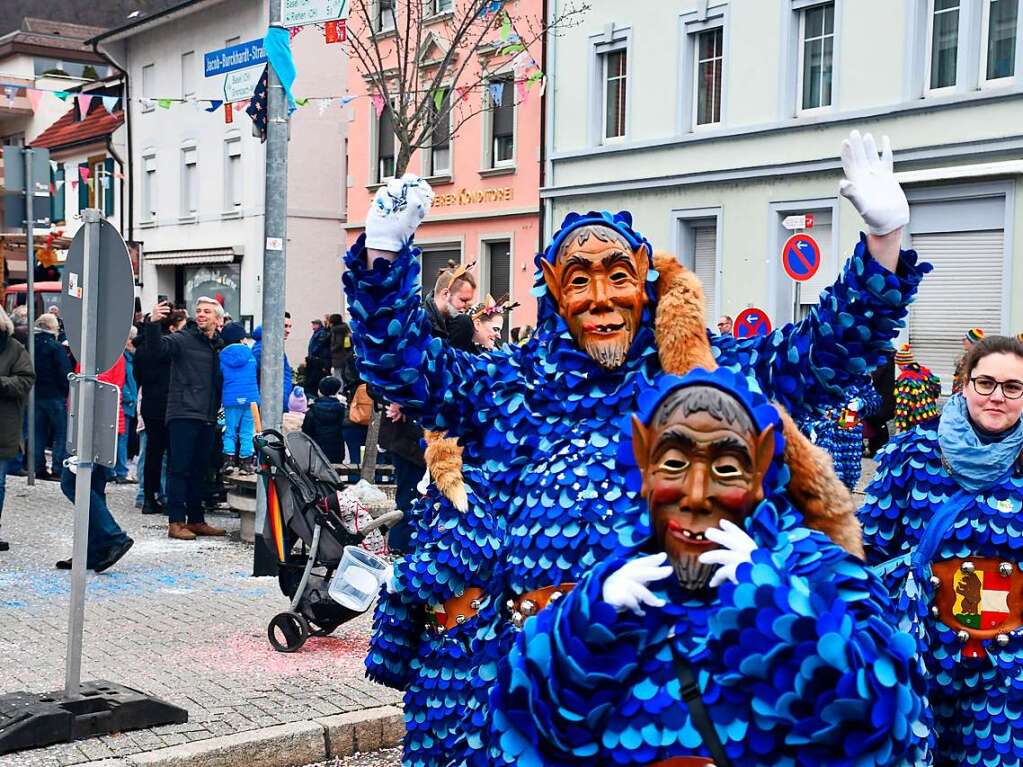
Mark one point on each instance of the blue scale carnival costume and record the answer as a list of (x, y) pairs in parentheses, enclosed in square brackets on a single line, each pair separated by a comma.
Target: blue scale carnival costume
[(923, 520), (798, 664), (424, 626), (839, 431), (540, 419)]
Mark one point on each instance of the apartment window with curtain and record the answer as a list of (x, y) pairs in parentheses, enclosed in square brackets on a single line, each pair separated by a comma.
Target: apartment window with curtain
[(615, 64), (943, 43), (385, 146), (58, 200), (233, 175), (385, 15), (189, 182), (817, 55), (502, 125), (440, 142), (709, 74), (148, 86), (149, 188), (999, 39)]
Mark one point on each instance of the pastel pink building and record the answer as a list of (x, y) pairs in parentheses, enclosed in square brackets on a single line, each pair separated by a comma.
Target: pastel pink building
[(486, 173)]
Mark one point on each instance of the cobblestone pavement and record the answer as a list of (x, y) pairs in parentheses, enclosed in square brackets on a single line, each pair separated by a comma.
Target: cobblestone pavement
[(389, 757), (182, 620)]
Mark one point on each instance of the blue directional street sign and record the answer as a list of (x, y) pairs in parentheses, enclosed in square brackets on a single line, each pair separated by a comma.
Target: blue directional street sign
[(234, 57)]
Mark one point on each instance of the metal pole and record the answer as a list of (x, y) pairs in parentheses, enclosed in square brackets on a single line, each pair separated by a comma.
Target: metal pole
[(84, 447), (30, 300), (275, 218)]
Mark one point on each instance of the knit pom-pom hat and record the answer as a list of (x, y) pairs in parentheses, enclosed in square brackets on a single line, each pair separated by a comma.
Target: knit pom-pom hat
[(973, 335), (904, 356)]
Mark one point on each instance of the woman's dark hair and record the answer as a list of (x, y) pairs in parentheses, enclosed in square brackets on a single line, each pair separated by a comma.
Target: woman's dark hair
[(990, 345), (174, 318), (336, 319)]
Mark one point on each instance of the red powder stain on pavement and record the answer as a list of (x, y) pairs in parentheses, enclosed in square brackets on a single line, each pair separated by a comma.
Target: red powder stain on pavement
[(247, 655)]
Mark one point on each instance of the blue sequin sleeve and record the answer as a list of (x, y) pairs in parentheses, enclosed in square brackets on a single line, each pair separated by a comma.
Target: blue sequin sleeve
[(396, 351), (820, 661), (807, 365)]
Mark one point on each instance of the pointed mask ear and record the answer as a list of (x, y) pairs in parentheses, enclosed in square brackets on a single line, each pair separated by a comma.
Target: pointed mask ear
[(762, 461), (551, 277), (641, 447), (642, 256)]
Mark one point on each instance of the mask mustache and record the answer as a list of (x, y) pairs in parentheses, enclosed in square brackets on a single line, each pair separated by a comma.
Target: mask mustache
[(609, 354)]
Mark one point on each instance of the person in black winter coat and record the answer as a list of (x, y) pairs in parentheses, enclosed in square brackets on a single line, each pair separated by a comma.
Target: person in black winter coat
[(324, 420), (16, 379), (52, 368), (193, 403), (152, 374)]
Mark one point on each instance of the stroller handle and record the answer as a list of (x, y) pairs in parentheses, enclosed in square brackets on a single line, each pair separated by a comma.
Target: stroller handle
[(389, 519)]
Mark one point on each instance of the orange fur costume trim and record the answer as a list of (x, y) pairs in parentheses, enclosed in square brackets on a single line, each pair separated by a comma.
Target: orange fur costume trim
[(444, 460)]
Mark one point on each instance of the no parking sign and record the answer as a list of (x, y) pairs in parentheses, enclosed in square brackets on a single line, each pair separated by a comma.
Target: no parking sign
[(751, 322), (801, 257)]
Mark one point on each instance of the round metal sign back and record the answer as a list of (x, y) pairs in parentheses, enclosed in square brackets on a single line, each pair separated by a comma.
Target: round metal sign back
[(113, 303)]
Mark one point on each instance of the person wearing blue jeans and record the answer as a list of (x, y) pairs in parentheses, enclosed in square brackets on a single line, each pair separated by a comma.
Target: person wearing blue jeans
[(52, 368), (107, 541), (240, 390), (140, 471)]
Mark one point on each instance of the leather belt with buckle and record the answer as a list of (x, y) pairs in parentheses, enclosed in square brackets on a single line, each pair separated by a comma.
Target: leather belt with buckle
[(532, 602), (457, 610)]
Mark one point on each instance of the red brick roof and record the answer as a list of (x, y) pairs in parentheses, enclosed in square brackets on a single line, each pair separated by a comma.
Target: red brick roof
[(68, 131)]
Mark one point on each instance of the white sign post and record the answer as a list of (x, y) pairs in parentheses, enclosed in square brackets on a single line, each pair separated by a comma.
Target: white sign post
[(296, 13)]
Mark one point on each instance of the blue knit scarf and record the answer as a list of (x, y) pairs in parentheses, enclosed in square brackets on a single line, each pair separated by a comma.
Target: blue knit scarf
[(976, 464)]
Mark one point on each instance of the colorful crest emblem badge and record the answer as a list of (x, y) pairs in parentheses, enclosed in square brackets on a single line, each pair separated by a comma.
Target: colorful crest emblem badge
[(980, 598)]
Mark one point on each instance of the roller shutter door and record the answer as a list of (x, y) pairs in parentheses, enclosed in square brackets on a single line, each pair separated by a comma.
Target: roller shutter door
[(705, 243), (963, 291), (432, 263)]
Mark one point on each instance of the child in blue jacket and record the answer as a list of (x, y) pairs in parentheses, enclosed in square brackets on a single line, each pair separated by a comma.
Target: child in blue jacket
[(238, 366)]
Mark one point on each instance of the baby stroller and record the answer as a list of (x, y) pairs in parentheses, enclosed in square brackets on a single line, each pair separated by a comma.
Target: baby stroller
[(308, 523)]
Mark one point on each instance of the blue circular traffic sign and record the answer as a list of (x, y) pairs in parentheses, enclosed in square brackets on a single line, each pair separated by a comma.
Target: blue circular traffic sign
[(801, 257), (751, 322)]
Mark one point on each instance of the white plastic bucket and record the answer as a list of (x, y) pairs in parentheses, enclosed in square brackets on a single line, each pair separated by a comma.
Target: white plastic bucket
[(357, 579)]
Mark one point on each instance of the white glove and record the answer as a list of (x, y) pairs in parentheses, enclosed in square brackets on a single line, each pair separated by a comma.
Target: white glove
[(626, 588), (396, 211), (389, 583), (870, 184), (736, 548), (424, 484)]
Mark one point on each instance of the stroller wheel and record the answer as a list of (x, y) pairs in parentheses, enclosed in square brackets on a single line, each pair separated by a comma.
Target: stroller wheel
[(287, 632)]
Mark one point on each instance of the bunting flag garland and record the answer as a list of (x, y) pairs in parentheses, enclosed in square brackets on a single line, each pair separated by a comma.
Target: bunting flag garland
[(378, 103), (148, 104), (34, 97), (62, 95), (84, 172), (214, 105), (164, 103), (463, 92), (520, 89), (74, 184), (118, 175), (506, 27), (84, 102), (228, 114), (438, 98), (302, 101), (9, 93), (110, 103), (53, 166), (347, 100), (105, 183)]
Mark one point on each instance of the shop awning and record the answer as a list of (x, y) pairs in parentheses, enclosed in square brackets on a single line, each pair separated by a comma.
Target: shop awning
[(177, 257)]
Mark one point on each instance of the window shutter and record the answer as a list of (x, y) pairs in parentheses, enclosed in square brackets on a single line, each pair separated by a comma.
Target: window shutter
[(83, 188), (108, 193), (968, 274), (705, 240), (57, 201), (432, 262)]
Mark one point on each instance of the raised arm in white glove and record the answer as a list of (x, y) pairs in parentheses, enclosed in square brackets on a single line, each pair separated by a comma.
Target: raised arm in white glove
[(736, 548), (396, 211), (626, 588), (870, 186)]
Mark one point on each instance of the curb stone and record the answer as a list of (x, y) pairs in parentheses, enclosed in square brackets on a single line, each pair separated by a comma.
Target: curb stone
[(284, 745)]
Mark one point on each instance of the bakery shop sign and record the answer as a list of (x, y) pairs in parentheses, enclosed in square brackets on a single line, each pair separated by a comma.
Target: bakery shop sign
[(468, 197)]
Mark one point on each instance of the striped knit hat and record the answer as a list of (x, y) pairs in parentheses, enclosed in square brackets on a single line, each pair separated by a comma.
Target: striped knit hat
[(973, 335), (904, 356)]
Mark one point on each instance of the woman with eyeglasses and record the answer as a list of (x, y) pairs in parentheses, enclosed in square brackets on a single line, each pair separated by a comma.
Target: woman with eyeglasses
[(943, 523)]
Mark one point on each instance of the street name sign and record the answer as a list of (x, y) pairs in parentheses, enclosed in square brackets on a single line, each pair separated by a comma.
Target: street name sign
[(798, 222), (240, 56), (238, 86)]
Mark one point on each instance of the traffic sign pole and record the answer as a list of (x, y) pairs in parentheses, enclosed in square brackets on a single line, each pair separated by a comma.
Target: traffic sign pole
[(86, 383), (30, 300)]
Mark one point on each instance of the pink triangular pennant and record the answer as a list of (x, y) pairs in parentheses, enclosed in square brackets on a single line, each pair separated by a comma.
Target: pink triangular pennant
[(378, 104), (34, 97), (83, 105), (74, 184), (520, 87), (83, 173)]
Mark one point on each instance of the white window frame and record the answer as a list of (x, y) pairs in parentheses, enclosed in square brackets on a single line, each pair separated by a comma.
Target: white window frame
[(186, 213), (438, 10), (604, 81), (489, 155), (945, 89), (384, 22), (691, 25), (188, 65), (149, 197), (149, 102), (233, 148), (684, 222), (696, 79), (613, 38), (985, 27), (801, 57)]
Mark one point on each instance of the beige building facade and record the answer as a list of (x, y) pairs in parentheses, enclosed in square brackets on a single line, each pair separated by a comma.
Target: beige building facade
[(713, 121)]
